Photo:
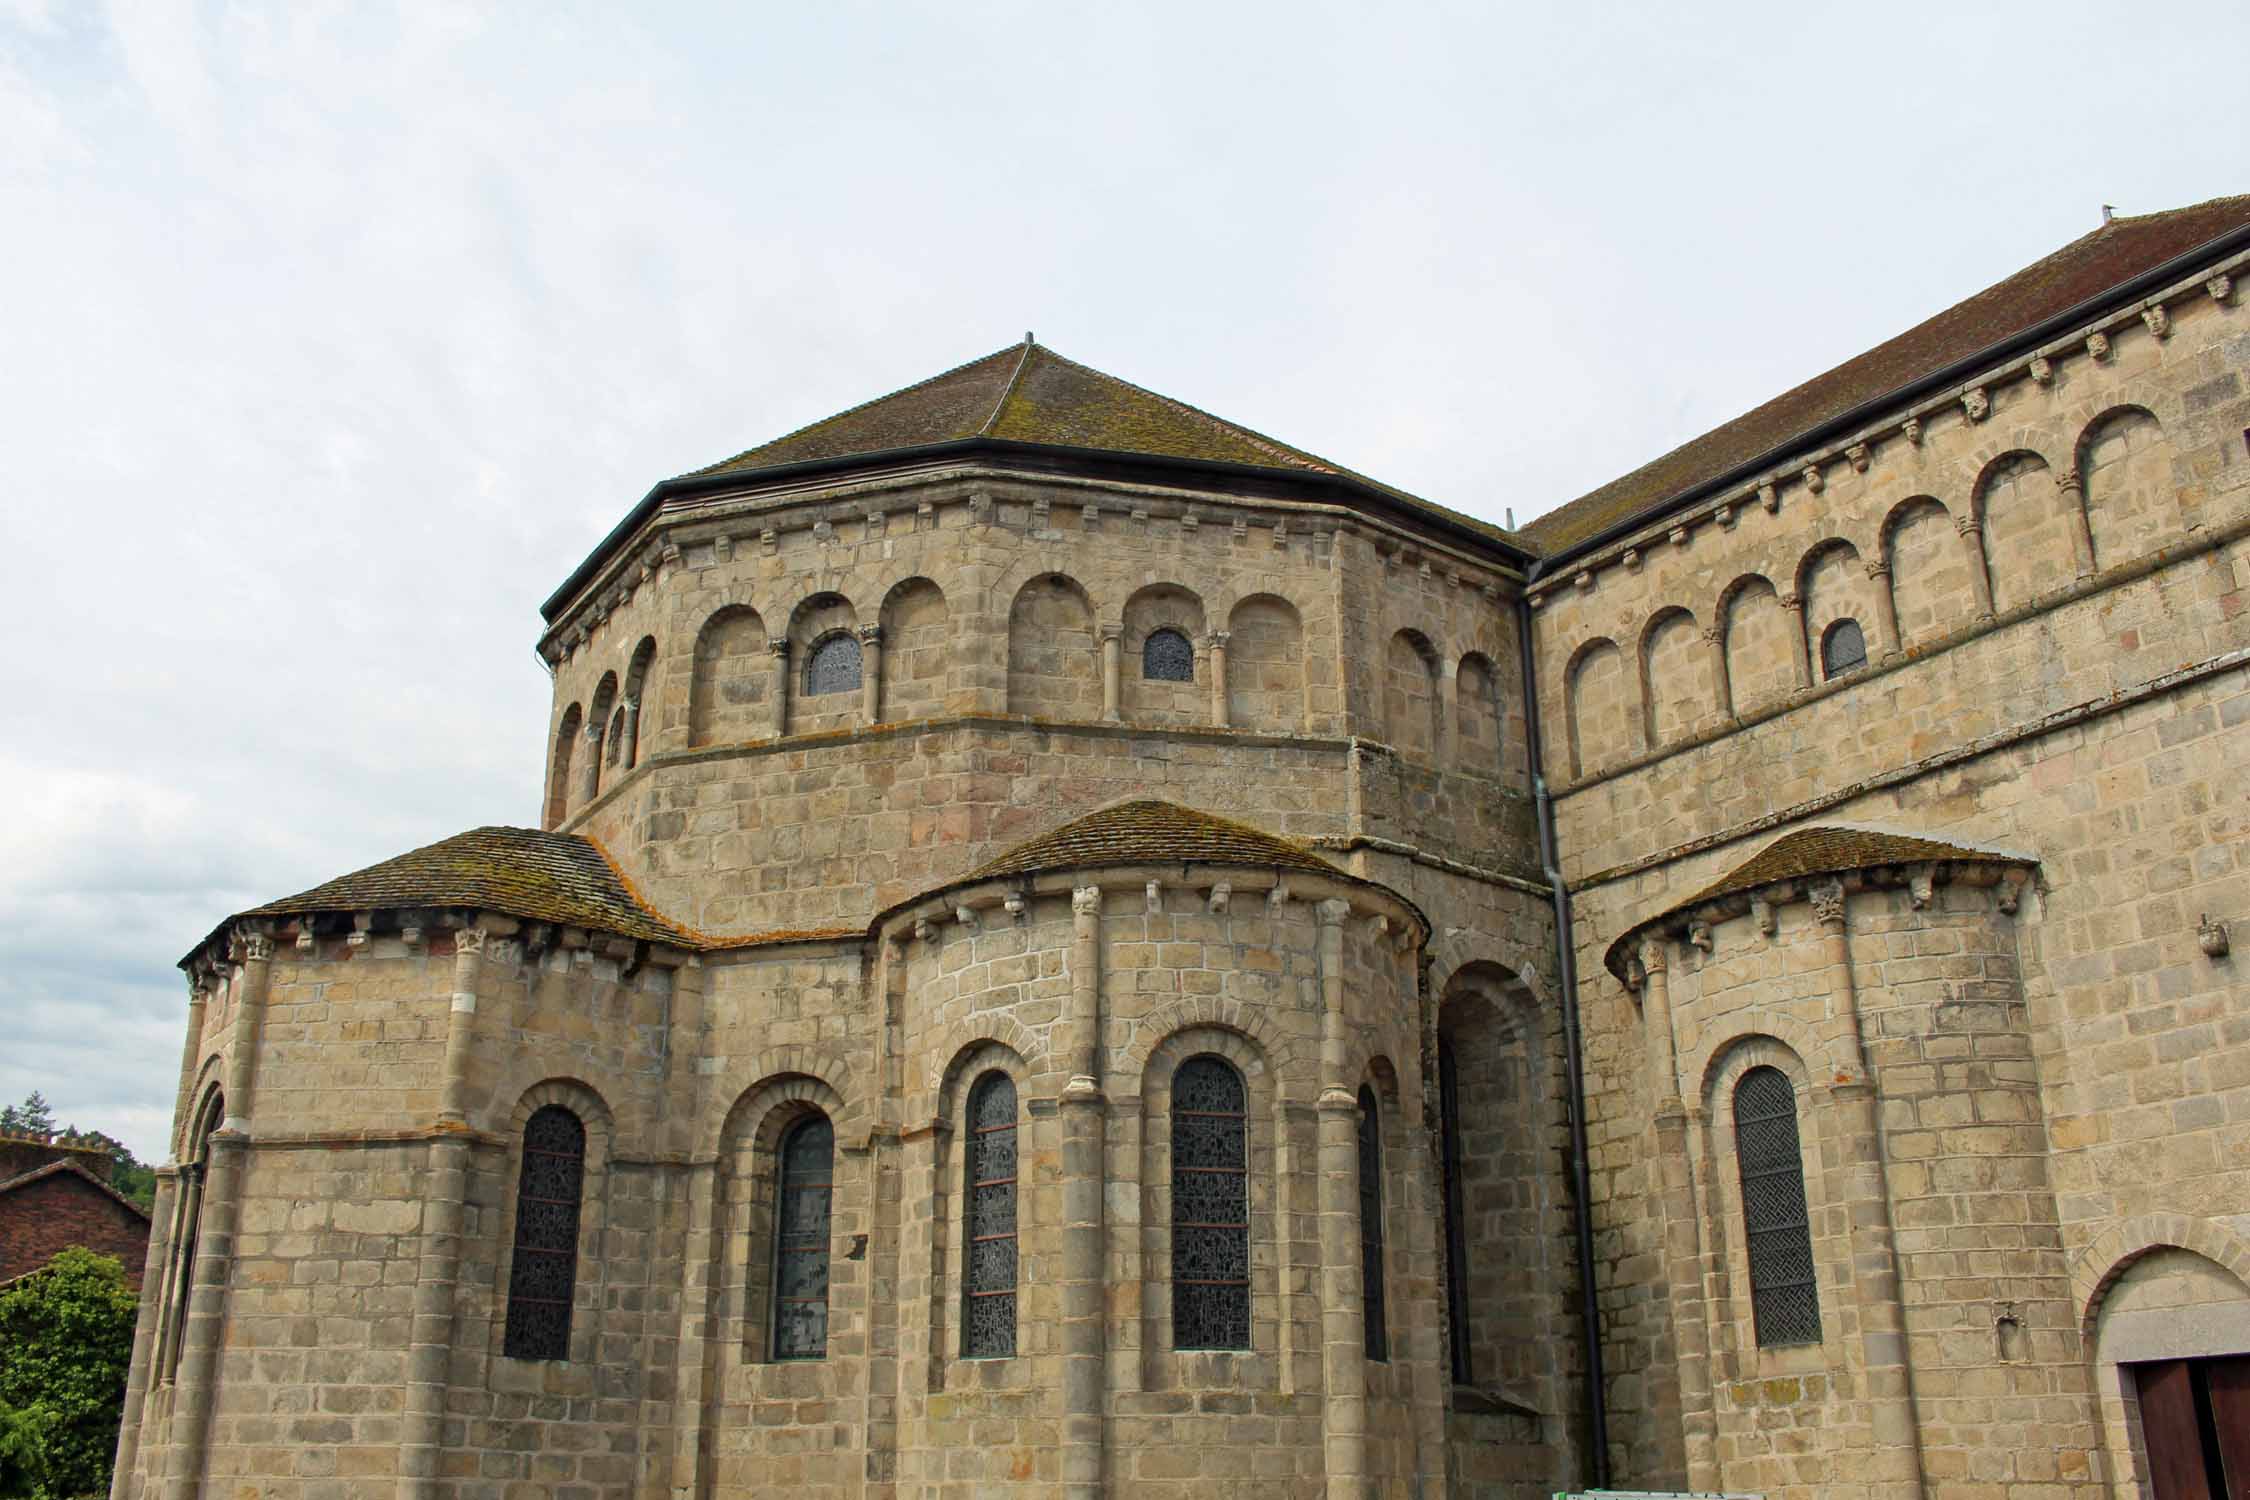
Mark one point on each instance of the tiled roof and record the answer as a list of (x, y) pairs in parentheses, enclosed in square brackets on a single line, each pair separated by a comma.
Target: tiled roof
[(519, 872), (1027, 393), (1819, 850), (2081, 270), (73, 1169), (1151, 832)]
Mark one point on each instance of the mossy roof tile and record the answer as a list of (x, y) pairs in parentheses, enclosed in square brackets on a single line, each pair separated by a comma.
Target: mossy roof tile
[(1154, 833), (518, 872), (2078, 272), (1027, 393)]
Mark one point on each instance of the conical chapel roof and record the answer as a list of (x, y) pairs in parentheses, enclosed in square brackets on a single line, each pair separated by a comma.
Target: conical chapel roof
[(1026, 394)]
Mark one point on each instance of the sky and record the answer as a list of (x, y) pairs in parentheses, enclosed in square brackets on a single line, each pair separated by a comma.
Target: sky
[(332, 336)]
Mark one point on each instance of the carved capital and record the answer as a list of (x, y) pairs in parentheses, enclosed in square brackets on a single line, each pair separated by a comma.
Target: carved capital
[(778, 645), (470, 940), (1086, 901), (1332, 913), (1827, 897), (1965, 525), (1654, 954), (1217, 640), (2070, 481), (1977, 403), (257, 948), (871, 635), (1878, 569), (1793, 600), (1111, 632), (1713, 635)]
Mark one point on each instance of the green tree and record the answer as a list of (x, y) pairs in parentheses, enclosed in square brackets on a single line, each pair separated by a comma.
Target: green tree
[(66, 1337), (32, 1117)]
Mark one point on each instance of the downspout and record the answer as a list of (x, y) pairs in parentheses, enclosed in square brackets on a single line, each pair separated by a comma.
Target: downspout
[(1566, 980)]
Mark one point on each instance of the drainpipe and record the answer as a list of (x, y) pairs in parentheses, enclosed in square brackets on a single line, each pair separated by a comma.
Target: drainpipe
[(1566, 980)]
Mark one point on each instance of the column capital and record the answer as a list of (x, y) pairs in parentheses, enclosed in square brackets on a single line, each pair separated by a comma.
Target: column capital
[(871, 635), (470, 940), (1332, 912), (1218, 639), (1112, 631), (1878, 569), (1827, 897), (257, 948), (778, 645), (1793, 600), (1655, 954), (1086, 901), (1965, 525)]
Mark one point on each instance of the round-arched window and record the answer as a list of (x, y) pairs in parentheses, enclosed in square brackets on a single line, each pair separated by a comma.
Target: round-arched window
[(1843, 649), (833, 666), (1167, 656)]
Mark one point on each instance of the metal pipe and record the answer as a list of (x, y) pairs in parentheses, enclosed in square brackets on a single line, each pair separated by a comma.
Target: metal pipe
[(1566, 981)]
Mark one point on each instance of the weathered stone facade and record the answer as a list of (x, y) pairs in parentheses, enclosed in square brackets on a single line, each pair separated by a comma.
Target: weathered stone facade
[(869, 782)]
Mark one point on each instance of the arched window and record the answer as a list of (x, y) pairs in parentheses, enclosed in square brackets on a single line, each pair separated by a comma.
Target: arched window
[(800, 1245), (1371, 1227), (988, 1304), (833, 666), (1776, 1226), (1456, 1240), (1166, 656), (188, 1219), (1843, 649), (545, 1268), (1210, 1207)]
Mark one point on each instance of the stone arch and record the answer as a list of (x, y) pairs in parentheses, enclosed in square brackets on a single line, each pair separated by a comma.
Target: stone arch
[(2115, 1251), (1054, 665), (208, 1113), (949, 1047), (1503, 1136), (636, 695), (745, 1192), (559, 765), (1833, 586), (1779, 1040), (729, 677), (1598, 709), (2124, 462), (817, 621), (1478, 716), (830, 1074), (1931, 591), (592, 1111), (1412, 707), (576, 1095), (1676, 688), (1266, 665), (1726, 1250), (1163, 607), (1761, 668), (919, 654), (600, 747), (1198, 1015), (2027, 544)]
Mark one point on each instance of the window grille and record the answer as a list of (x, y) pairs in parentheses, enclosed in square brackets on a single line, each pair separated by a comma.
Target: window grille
[(1456, 1241), (1371, 1227), (1210, 1207), (1843, 648), (833, 666), (800, 1251), (1166, 656), (1777, 1227), (544, 1272), (988, 1311)]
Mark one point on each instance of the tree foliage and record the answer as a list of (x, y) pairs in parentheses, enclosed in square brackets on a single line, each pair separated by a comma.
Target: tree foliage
[(128, 1174), (66, 1338)]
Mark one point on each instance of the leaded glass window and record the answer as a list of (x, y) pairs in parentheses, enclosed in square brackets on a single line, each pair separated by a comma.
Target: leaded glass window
[(1456, 1240), (833, 666), (544, 1272), (1210, 1207), (1842, 649), (1166, 656), (1776, 1225), (800, 1250), (1371, 1227), (988, 1311)]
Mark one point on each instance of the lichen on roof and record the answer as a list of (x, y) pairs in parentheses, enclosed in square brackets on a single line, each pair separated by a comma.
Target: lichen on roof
[(2078, 272), (1154, 833), (518, 872), (1027, 393)]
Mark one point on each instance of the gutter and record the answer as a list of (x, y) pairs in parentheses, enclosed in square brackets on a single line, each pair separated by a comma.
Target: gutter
[(1423, 512), (1953, 374), (1574, 1065)]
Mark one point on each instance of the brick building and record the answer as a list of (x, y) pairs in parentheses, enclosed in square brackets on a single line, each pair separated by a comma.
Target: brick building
[(1076, 949), (55, 1193)]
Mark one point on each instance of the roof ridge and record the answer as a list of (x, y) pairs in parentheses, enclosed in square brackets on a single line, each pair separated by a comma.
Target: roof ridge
[(76, 1169), (837, 416), (1015, 378)]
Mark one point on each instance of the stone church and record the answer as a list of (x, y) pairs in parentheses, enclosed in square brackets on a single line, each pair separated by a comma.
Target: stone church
[(1074, 949)]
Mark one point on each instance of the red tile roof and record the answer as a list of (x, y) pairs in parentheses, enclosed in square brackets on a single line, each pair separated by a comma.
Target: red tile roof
[(2080, 271)]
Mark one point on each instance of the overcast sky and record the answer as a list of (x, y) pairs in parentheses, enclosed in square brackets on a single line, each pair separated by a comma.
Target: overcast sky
[(333, 336)]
